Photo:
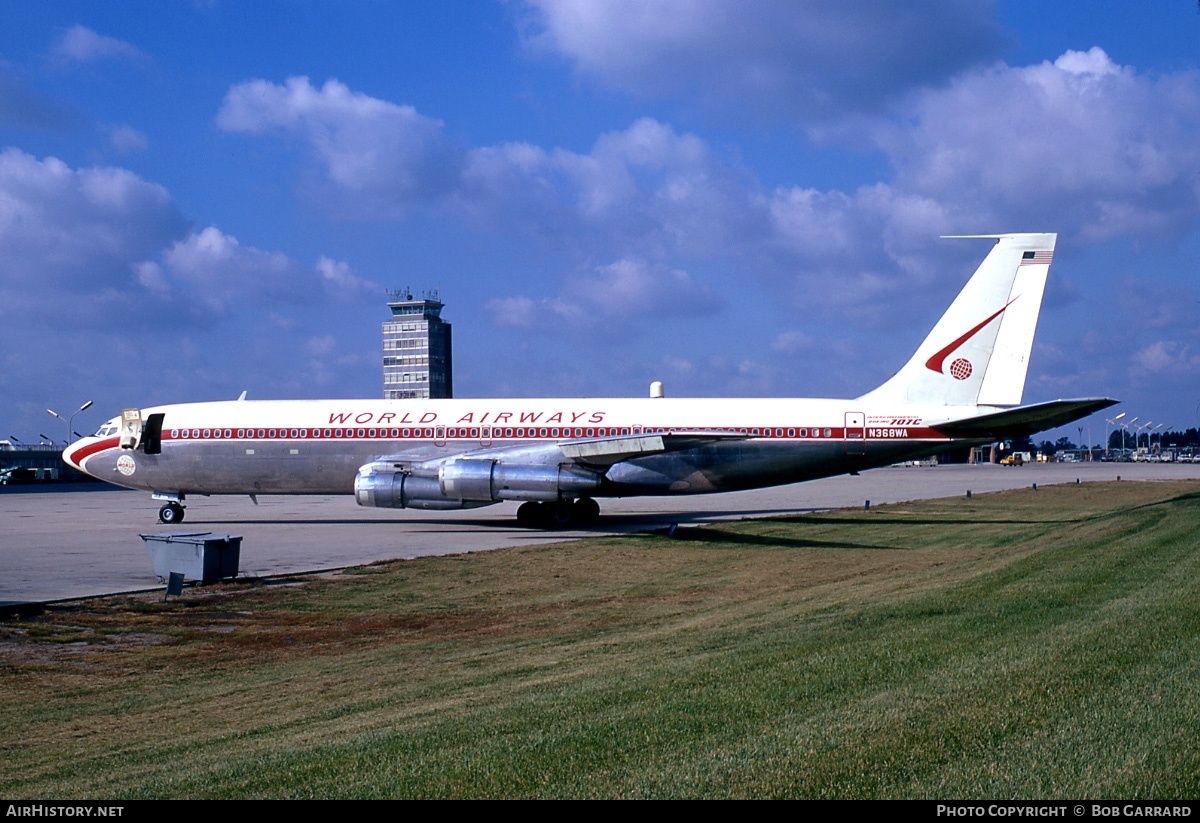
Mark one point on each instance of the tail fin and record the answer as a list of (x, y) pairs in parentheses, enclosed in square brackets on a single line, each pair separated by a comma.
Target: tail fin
[(978, 353)]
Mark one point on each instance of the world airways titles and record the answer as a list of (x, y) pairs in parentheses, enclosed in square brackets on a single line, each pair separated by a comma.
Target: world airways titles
[(468, 419)]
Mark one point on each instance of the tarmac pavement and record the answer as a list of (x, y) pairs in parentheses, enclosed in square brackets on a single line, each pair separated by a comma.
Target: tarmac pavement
[(71, 541)]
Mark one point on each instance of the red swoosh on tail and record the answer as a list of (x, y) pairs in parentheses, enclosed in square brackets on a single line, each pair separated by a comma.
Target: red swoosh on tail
[(935, 363)]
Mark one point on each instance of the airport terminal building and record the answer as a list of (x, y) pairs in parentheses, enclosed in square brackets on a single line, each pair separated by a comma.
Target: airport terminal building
[(417, 361)]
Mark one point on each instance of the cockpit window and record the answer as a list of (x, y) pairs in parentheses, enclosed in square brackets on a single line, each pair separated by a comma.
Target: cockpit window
[(108, 429)]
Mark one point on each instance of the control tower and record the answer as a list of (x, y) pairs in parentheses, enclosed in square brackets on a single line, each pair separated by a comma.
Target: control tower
[(416, 348)]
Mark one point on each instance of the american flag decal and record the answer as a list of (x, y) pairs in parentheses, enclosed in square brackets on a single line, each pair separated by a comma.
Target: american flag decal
[(1036, 258)]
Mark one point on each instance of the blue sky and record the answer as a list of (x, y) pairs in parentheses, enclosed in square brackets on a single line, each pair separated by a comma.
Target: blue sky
[(736, 198)]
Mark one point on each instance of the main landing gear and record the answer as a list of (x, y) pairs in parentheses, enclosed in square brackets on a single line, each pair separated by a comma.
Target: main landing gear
[(563, 514)]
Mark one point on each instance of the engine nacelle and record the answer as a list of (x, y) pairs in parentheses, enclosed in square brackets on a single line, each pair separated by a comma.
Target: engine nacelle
[(469, 483), (473, 479), (380, 485)]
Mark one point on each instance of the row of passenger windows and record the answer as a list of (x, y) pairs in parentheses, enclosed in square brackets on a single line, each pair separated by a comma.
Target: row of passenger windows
[(454, 433)]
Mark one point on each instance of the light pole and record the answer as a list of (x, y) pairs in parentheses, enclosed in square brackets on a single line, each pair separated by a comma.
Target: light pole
[(70, 421), (1114, 423), (1124, 429), (1148, 428)]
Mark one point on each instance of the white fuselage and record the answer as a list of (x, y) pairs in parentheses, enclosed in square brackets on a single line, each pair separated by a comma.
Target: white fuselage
[(318, 446)]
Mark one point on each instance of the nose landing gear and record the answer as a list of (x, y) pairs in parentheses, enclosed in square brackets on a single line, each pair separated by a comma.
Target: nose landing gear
[(172, 508), (171, 513)]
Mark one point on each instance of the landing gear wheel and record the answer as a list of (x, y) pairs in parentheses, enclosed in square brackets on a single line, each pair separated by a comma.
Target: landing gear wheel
[(560, 515), (529, 515), (171, 513), (586, 511)]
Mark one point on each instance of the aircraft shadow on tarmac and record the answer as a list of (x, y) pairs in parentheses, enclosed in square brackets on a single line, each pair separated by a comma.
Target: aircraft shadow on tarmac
[(639, 521), (716, 537)]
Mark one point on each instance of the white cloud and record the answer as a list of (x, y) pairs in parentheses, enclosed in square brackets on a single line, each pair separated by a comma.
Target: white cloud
[(102, 283), (82, 45), (644, 190), (282, 322), (820, 224), (547, 314), (1080, 143), (1166, 356), (805, 61), (214, 269), (68, 231), (645, 187), (149, 275), (1080, 146), (678, 366), (791, 342), (865, 256), (340, 280), (723, 376), (365, 145), (1094, 62), (127, 139), (630, 288), (615, 296), (322, 346), (218, 270)]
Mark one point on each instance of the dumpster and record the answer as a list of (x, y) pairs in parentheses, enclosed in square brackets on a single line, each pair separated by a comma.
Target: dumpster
[(202, 556)]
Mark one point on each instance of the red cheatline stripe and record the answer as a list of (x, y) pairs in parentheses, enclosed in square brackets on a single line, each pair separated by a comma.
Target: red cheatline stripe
[(462, 433), (84, 452)]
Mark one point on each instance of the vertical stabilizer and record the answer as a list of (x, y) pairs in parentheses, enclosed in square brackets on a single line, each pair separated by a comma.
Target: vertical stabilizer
[(978, 353)]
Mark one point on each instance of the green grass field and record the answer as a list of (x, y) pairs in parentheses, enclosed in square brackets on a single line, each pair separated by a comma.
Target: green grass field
[(1029, 644)]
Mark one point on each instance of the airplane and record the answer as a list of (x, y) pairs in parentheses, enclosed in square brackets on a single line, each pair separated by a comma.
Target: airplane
[(962, 387)]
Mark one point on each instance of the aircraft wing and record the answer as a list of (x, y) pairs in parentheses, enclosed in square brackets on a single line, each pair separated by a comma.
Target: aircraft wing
[(1024, 420), (591, 452), (607, 451)]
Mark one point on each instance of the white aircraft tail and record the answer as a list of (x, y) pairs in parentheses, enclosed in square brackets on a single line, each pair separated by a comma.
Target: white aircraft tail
[(978, 353)]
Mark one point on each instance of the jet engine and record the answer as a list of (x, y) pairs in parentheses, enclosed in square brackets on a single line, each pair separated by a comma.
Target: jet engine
[(469, 483)]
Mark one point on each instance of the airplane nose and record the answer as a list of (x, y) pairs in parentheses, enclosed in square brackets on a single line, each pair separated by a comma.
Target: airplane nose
[(73, 453)]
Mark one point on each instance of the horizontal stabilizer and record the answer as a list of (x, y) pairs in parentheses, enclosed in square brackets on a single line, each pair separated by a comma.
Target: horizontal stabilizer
[(1024, 420)]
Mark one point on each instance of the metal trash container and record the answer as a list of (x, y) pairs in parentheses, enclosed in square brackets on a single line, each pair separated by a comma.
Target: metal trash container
[(202, 556)]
